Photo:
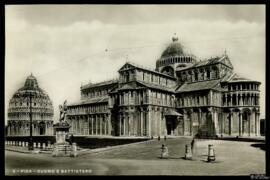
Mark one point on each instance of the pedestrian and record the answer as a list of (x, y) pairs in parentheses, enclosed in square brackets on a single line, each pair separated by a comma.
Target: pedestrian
[(158, 138), (165, 138), (193, 144)]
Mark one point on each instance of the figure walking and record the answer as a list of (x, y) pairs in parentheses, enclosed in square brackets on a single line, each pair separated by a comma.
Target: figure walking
[(164, 151), (193, 145)]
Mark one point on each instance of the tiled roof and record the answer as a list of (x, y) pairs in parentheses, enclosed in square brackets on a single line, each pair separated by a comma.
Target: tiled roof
[(203, 85), (100, 84), (127, 86), (155, 86), (236, 78), (147, 69), (91, 101), (223, 59)]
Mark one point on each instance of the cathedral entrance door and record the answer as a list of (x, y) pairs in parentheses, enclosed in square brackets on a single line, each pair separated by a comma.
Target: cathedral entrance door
[(169, 129)]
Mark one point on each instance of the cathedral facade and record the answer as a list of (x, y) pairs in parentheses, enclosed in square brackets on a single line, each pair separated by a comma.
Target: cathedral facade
[(183, 96)]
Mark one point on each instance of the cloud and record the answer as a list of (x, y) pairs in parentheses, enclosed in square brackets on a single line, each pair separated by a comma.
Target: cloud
[(63, 57)]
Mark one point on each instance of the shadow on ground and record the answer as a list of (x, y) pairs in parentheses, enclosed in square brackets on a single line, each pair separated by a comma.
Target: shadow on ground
[(260, 145)]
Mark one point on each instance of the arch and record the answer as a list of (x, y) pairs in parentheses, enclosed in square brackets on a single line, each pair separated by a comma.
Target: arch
[(181, 66), (42, 128), (168, 70), (208, 73)]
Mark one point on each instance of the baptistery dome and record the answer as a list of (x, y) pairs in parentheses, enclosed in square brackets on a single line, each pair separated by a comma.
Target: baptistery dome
[(19, 110)]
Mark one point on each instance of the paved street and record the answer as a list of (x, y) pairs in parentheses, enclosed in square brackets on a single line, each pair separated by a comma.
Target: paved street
[(233, 158)]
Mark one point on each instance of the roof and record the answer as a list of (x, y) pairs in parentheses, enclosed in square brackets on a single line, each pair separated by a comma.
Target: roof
[(203, 85), (223, 59), (234, 78), (155, 86), (102, 99), (127, 86), (104, 83), (172, 112), (146, 69), (237, 78)]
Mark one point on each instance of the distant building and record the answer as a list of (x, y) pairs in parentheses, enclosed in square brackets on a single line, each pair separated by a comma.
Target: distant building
[(19, 111), (182, 97)]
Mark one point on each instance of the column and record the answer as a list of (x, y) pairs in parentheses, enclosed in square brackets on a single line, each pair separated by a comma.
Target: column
[(109, 124), (105, 124), (149, 122), (88, 122), (141, 121), (199, 116), (241, 99), (240, 123), (128, 125), (96, 124), (120, 124), (231, 123), (92, 124), (230, 99), (120, 99), (191, 121), (226, 100), (101, 124), (129, 97), (237, 98), (249, 124), (257, 124), (124, 124)]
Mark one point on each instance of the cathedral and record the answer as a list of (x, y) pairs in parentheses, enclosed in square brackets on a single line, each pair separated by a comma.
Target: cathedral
[(183, 96), (26, 101)]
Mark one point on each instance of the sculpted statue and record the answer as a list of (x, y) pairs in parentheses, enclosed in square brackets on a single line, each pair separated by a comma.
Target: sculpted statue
[(63, 111)]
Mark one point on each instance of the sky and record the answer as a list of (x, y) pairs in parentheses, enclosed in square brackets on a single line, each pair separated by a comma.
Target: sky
[(65, 46)]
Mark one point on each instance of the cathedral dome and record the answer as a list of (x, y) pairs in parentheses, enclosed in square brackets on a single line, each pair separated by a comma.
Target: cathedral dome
[(174, 49), (19, 106)]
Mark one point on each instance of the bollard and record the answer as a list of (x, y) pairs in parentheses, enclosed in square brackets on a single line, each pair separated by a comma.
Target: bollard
[(55, 150), (188, 153), (164, 151), (73, 152), (211, 153)]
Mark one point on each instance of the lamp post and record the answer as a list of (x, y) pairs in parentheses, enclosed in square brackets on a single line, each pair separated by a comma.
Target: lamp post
[(30, 146)]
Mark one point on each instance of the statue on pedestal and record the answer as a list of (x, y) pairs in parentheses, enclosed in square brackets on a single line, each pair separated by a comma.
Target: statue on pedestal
[(61, 146), (63, 111)]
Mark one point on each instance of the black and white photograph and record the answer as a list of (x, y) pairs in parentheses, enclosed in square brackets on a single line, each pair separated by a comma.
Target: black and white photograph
[(135, 89)]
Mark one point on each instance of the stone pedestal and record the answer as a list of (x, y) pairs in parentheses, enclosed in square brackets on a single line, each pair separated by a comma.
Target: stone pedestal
[(61, 147)]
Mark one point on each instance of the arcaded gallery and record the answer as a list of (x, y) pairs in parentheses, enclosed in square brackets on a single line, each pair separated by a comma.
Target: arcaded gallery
[(183, 96)]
